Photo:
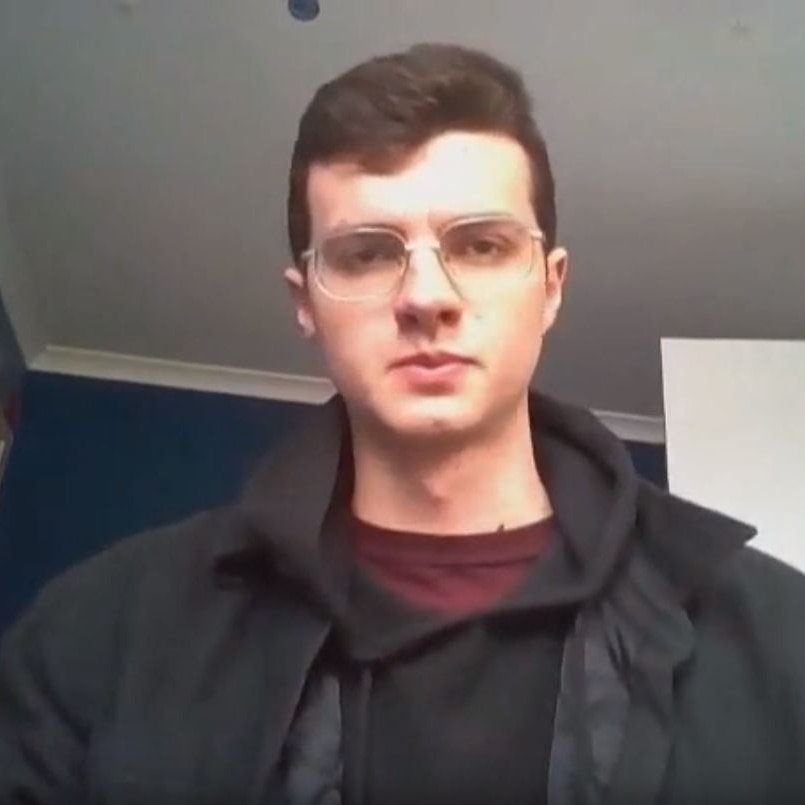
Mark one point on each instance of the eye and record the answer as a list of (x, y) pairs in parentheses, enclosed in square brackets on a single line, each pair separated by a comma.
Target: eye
[(362, 251), (480, 243), (484, 247), (372, 253)]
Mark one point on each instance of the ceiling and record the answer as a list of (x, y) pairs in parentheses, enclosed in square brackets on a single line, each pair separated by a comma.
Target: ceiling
[(144, 148)]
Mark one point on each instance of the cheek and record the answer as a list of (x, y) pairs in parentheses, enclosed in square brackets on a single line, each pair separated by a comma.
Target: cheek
[(519, 325), (352, 343), (515, 349)]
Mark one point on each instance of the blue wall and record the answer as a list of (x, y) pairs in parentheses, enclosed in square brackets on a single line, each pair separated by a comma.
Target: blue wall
[(94, 461)]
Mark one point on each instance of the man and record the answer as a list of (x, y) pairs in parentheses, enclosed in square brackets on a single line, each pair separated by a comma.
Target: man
[(442, 588)]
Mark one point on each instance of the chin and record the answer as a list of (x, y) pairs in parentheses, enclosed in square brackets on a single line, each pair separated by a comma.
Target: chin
[(432, 415)]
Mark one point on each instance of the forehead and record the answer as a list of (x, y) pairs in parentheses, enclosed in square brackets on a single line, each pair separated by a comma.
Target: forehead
[(454, 174)]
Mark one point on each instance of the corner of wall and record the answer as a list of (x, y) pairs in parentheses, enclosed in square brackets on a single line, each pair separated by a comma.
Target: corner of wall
[(19, 320)]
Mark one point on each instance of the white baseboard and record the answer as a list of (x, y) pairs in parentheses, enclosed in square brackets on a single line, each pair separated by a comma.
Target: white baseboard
[(251, 383), (177, 374)]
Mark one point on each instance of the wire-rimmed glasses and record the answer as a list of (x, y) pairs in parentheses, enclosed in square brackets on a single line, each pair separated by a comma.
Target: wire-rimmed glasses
[(477, 253)]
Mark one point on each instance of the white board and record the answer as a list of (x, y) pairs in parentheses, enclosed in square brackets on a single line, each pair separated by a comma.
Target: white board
[(735, 434)]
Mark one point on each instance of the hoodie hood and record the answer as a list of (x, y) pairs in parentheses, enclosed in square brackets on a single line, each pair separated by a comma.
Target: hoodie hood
[(299, 500), (301, 486)]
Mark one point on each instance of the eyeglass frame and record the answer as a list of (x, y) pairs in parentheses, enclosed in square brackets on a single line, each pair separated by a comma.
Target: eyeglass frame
[(534, 232)]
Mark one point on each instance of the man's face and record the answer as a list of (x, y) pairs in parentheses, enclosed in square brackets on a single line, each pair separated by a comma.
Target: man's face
[(454, 175)]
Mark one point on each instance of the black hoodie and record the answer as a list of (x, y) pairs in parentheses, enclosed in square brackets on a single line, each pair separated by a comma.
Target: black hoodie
[(186, 665), (404, 672)]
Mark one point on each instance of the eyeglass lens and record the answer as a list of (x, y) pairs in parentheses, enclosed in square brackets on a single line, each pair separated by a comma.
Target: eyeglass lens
[(370, 262)]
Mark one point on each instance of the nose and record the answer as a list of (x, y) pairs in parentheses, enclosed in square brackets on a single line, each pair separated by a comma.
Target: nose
[(428, 295)]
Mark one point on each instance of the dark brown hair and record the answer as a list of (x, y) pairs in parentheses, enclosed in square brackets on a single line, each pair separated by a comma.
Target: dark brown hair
[(381, 111)]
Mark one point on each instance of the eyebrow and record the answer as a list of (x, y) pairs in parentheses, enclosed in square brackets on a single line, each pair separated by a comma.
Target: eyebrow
[(439, 221)]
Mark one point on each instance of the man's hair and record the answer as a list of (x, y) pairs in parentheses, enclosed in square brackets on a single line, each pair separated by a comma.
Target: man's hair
[(381, 111)]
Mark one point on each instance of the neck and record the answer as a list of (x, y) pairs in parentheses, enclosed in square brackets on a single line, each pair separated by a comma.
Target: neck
[(489, 482)]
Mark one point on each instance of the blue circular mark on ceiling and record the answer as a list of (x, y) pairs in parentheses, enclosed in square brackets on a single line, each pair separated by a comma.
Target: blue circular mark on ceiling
[(304, 10)]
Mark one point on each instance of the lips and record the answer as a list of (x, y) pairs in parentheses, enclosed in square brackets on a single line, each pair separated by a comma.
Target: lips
[(432, 360), (433, 372)]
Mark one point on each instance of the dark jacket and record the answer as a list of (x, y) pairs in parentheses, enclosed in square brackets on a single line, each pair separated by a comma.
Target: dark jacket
[(182, 666)]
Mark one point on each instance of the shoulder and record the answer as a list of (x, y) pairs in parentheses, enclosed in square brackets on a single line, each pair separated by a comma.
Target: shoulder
[(749, 662), (63, 661), (765, 593), (734, 591), (138, 577), (172, 555), (750, 655)]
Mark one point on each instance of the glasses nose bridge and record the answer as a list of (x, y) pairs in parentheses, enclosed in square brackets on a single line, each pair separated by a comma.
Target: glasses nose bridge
[(430, 244)]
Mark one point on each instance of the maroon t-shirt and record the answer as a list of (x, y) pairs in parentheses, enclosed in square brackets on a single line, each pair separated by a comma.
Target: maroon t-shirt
[(452, 575)]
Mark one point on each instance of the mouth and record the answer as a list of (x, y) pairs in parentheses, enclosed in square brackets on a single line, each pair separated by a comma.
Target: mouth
[(432, 359), (433, 369)]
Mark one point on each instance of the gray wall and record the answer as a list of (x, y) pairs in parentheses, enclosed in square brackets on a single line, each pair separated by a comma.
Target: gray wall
[(145, 147)]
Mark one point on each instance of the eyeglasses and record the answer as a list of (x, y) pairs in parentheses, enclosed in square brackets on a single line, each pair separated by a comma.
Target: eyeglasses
[(477, 253)]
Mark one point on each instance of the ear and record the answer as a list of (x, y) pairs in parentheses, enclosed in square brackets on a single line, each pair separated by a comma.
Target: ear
[(556, 266), (300, 296)]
